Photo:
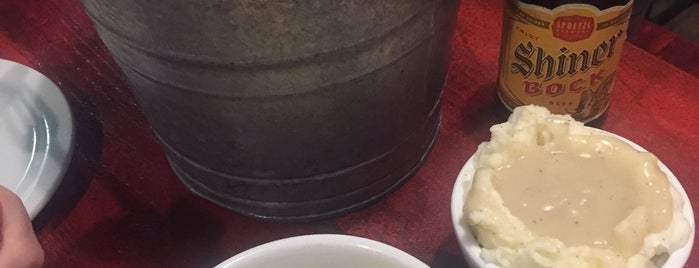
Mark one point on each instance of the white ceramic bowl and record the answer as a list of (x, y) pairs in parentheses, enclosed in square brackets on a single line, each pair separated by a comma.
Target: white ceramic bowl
[(472, 250), (321, 251)]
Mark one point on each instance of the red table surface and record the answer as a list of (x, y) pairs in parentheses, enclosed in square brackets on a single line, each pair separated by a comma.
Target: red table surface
[(120, 205)]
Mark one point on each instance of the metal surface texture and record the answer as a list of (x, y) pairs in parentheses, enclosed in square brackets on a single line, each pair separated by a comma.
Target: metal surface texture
[(285, 110)]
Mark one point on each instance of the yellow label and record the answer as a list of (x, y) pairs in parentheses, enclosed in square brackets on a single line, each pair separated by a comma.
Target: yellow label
[(564, 59)]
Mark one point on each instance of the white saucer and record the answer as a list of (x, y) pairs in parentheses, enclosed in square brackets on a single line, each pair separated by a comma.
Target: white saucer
[(36, 134)]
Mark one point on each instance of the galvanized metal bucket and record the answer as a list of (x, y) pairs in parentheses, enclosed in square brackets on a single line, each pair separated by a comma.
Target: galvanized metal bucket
[(285, 110)]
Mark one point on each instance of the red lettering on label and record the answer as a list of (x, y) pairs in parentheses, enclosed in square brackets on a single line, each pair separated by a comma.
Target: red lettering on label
[(573, 28), (532, 88), (596, 77), (554, 89), (576, 85)]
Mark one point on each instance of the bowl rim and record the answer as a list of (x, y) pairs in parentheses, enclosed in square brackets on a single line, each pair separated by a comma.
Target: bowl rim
[(361, 243), (471, 250)]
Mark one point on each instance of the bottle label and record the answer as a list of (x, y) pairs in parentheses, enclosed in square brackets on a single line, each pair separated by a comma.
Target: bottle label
[(564, 59)]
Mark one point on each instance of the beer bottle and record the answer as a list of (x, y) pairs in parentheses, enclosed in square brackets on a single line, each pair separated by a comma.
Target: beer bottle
[(562, 54)]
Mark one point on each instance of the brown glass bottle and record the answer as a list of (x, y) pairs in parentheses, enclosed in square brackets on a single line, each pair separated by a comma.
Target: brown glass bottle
[(562, 54)]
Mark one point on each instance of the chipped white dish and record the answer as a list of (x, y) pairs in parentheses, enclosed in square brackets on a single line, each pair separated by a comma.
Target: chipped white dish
[(36, 134)]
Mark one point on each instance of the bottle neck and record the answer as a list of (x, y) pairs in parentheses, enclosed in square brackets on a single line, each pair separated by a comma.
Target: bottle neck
[(600, 4)]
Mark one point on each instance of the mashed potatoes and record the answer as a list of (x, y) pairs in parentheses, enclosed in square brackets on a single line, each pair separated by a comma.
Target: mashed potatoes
[(549, 192)]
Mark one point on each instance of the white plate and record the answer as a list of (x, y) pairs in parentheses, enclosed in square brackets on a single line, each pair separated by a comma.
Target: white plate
[(321, 251), (36, 134), (472, 250)]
